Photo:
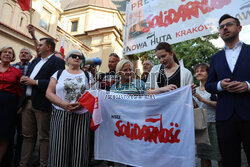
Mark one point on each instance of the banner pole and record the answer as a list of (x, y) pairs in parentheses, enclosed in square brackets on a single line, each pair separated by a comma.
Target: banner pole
[(30, 12)]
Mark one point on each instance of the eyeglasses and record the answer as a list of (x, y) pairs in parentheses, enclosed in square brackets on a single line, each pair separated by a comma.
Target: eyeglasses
[(75, 55), (228, 24)]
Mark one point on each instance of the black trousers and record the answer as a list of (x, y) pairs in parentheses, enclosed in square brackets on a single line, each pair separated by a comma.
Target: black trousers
[(232, 134)]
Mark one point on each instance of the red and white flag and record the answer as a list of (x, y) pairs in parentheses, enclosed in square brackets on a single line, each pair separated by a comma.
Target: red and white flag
[(90, 101), (24, 4), (63, 46)]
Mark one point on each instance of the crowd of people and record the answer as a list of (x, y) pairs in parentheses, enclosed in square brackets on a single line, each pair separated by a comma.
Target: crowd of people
[(38, 99)]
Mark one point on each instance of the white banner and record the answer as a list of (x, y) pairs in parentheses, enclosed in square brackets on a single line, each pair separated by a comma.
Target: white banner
[(147, 130), (149, 22)]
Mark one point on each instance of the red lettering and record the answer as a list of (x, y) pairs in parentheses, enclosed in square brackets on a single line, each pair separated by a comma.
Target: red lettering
[(178, 34), (148, 133), (195, 29), (189, 31), (150, 24), (183, 32), (184, 11), (217, 4), (201, 28), (120, 132)]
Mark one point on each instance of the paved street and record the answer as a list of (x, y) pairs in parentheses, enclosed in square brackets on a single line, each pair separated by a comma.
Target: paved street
[(104, 164), (197, 162)]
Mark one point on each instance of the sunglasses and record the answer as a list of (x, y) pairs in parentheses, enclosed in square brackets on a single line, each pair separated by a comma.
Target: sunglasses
[(75, 55), (228, 24)]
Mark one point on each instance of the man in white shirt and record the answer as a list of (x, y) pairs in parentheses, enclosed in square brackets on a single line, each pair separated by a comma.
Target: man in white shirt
[(229, 77), (36, 107)]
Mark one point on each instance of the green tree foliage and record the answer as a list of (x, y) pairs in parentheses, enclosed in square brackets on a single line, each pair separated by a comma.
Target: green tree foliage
[(148, 55), (192, 52), (196, 51)]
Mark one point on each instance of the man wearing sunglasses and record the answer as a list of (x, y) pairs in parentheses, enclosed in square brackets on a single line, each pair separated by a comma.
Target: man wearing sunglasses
[(229, 77)]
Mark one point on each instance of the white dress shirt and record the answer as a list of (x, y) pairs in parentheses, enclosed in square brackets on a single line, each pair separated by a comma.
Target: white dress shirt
[(35, 71), (232, 55)]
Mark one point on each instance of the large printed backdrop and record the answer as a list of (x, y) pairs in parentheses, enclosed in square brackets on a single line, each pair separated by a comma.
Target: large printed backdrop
[(149, 22)]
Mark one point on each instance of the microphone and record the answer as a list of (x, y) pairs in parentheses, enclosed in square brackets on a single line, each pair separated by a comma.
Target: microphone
[(96, 61)]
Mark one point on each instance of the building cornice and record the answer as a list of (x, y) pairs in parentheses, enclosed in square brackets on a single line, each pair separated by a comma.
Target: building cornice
[(54, 6), (16, 34), (45, 34), (104, 30), (73, 38), (85, 8)]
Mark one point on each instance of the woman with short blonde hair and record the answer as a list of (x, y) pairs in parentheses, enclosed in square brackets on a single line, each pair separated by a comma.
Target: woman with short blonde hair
[(10, 93), (127, 84)]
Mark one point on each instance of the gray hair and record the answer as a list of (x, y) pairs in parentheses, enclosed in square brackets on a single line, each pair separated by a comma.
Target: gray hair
[(74, 51), (24, 48), (121, 64), (71, 52), (150, 62)]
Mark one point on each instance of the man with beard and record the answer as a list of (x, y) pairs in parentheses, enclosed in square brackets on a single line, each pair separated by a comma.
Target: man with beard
[(106, 80), (229, 77)]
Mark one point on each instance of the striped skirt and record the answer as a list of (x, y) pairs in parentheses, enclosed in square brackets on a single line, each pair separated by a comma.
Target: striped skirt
[(69, 139)]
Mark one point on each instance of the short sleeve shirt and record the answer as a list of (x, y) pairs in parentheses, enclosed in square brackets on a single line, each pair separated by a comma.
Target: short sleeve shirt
[(70, 87)]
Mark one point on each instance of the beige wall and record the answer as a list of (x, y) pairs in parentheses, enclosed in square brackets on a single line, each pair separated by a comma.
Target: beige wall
[(14, 21), (11, 15), (91, 18), (70, 43), (98, 34), (96, 29), (16, 43), (66, 21), (103, 42)]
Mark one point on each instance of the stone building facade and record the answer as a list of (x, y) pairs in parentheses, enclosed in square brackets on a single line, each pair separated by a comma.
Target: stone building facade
[(93, 26)]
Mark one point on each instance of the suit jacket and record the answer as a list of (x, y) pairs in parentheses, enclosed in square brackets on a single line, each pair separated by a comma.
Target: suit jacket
[(39, 101), (229, 102)]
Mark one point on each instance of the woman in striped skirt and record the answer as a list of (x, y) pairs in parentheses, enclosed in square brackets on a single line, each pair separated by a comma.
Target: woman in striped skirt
[(70, 123)]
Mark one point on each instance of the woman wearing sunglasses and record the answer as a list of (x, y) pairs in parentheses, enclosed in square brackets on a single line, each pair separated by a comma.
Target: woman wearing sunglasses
[(69, 125)]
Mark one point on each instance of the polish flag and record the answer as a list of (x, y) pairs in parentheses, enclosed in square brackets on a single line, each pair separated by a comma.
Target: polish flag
[(24, 4), (63, 46), (90, 101)]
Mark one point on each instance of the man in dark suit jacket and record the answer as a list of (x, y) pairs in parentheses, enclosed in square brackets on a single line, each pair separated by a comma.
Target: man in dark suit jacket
[(229, 77), (36, 107)]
